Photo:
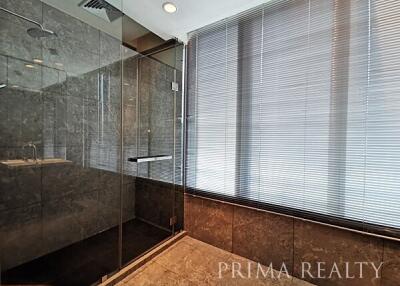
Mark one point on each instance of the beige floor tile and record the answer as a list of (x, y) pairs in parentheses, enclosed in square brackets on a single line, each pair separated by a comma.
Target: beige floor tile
[(194, 263)]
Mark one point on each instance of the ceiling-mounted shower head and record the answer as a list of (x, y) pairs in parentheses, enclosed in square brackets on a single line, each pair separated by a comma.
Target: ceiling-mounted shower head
[(102, 9)]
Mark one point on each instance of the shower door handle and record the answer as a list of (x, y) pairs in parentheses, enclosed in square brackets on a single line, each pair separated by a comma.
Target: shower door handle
[(149, 158)]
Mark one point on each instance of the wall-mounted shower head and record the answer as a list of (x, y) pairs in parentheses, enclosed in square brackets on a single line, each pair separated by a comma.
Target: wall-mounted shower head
[(36, 33)]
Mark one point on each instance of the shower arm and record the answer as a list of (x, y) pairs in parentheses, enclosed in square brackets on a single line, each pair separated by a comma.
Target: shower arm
[(24, 18)]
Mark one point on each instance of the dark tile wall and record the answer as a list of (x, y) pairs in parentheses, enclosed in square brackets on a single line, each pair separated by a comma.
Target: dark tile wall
[(70, 107), (270, 238), (157, 201)]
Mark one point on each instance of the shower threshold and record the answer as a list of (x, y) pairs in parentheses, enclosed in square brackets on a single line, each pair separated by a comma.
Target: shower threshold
[(84, 263)]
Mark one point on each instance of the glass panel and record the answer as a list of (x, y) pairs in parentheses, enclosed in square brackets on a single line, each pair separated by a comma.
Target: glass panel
[(150, 111), (60, 144)]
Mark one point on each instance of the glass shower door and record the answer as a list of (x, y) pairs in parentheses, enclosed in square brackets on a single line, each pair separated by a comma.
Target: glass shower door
[(150, 140)]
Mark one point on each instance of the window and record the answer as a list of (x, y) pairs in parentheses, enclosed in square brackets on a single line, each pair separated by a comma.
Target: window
[(296, 104)]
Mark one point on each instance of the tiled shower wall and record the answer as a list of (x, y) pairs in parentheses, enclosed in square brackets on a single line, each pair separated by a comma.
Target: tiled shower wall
[(270, 238), (70, 107)]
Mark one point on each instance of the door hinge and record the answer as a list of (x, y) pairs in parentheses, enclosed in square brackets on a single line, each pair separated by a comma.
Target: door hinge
[(172, 220), (174, 86)]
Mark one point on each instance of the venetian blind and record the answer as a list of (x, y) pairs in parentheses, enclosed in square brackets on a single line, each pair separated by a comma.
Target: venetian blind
[(297, 104)]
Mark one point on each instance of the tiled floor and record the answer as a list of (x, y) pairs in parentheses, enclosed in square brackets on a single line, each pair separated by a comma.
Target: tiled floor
[(194, 263)]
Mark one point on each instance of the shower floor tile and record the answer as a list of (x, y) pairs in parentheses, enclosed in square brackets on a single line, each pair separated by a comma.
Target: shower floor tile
[(194, 263), (85, 262)]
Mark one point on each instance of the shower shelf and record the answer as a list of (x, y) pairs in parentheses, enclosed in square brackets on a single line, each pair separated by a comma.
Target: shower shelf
[(150, 158)]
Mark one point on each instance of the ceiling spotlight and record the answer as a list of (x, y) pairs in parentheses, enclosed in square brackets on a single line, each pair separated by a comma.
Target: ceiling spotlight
[(2, 85), (29, 66), (169, 7), (38, 61)]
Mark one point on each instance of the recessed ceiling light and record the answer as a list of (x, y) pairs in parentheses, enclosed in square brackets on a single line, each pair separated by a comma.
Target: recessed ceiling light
[(59, 64), (169, 7), (2, 85), (38, 61), (29, 66)]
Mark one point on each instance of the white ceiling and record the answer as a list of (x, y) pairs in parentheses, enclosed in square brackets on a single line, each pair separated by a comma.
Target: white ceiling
[(191, 14)]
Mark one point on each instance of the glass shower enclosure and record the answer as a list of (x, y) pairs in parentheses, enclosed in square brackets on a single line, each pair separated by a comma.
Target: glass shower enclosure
[(90, 145)]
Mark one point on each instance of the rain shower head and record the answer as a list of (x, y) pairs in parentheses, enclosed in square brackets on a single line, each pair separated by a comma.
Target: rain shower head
[(38, 33)]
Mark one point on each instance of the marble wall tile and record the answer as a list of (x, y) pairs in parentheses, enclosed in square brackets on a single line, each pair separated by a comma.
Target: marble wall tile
[(19, 187), (3, 70), (128, 202), (13, 31), (110, 83), (209, 221), (313, 243), (20, 235), (110, 49), (391, 266), (60, 180), (29, 8), (69, 28), (61, 225), (75, 115), (263, 237), (54, 122), (21, 123), (28, 78), (69, 56), (155, 201), (109, 200), (84, 86)]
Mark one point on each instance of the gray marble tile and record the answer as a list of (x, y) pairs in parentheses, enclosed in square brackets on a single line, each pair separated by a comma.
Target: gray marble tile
[(110, 49), (69, 56), (110, 83), (3, 70), (19, 187), (154, 201), (69, 29), (13, 32), (54, 121), (109, 200), (21, 123), (128, 202), (86, 205), (75, 112), (60, 181), (29, 8), (59, 218), (20, 235), (29, 78)]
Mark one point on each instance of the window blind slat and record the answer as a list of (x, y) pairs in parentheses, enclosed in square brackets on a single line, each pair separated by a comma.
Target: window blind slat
[(296, 104)]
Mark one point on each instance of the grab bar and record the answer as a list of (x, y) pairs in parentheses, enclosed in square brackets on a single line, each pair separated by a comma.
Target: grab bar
[(149, 158)]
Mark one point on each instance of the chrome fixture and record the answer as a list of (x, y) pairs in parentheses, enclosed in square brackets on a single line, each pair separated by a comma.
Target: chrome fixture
[(102, 9), (34, 151), (36, 33), (150, 158)]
